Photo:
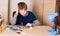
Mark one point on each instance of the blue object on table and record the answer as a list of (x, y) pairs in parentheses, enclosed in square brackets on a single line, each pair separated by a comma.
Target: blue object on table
[(53, 32), (28, 26), (51, 17), (14, 29)]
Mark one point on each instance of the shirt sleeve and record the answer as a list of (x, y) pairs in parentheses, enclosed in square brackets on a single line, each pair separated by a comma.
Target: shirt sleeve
[(35, 22), (33, 17)]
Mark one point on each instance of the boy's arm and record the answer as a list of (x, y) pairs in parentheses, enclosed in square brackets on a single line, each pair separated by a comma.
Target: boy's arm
[(34, 20), (13, 20), (36, 23)]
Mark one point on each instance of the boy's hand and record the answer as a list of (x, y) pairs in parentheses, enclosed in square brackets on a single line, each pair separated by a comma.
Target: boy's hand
[(29, 24)]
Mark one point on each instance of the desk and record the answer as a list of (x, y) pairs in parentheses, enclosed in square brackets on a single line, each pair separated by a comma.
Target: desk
[(36, 31)]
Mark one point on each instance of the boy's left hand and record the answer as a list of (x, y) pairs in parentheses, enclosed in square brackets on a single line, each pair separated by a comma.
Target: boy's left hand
[(29, 24)]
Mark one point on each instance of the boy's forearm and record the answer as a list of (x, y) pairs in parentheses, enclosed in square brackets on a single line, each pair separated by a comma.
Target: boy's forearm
[(36, 23), (13, 20)]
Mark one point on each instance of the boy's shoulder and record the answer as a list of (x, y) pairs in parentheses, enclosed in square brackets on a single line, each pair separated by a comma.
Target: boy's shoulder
[(30, 12)]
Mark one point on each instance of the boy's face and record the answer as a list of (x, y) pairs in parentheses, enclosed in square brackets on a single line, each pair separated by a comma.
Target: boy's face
[(23, 12)]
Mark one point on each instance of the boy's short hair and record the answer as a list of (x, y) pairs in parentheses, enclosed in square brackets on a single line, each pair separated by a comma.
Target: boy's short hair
[(22, 5)]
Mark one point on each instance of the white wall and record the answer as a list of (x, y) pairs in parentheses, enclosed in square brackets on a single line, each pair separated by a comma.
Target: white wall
[(4, 9), (13, 5)]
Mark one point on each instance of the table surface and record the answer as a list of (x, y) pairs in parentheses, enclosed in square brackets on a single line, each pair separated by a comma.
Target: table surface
[(36, 31)]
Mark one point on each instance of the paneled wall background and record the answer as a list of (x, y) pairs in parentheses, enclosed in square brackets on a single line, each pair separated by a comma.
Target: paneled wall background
[(38, 9), (49, 8), (42, 8)]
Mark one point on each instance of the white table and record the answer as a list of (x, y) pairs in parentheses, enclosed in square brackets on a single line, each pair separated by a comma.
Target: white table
[(36, 31)]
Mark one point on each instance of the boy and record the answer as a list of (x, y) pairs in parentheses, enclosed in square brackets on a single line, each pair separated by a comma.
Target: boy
[(24, 16)]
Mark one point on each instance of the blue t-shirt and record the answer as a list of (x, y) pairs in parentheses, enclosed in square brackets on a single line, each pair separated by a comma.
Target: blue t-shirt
[(25, 19)]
